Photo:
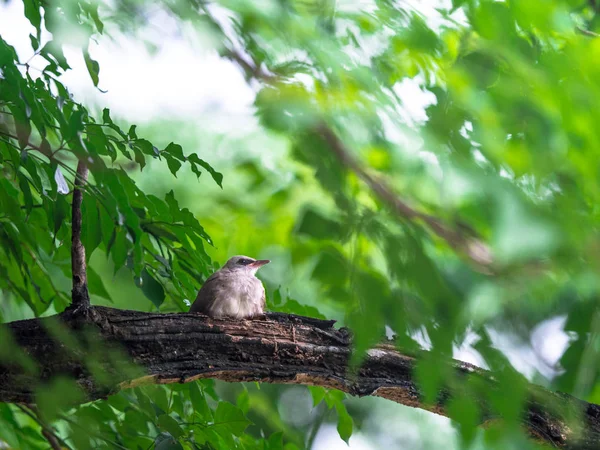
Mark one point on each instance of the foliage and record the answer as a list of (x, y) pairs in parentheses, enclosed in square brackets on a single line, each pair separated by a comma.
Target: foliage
[(508, 154)]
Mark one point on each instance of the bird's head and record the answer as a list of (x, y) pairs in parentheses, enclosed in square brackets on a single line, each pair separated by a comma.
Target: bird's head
[(245, 264)]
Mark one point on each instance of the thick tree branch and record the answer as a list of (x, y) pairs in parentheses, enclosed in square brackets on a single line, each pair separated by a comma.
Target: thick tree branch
[(176, 348), (80, 295)]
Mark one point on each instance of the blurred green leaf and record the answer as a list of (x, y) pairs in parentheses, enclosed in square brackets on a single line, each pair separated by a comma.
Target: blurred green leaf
[(344, 426), (199, 402), (165, 441), (170, 425), (152, 289), (230, 418), (92, 66)]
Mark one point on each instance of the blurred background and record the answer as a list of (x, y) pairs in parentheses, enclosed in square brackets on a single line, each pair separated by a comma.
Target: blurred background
[(469, 127)]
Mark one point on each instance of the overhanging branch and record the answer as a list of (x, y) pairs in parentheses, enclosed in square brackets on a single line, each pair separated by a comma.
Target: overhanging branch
[(174, 348), (467, 244), (475, 249)]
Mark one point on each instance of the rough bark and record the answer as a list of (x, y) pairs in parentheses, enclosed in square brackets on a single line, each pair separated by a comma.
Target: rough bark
[(178, 348)]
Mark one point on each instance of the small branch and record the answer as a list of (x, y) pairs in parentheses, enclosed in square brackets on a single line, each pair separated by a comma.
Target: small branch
[(587, 32), (476, 250), (56, 443), (46, 152), (80, 295), (252, 70)]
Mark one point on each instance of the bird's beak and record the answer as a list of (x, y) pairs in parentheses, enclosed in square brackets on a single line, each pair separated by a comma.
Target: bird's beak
[(260, 262)]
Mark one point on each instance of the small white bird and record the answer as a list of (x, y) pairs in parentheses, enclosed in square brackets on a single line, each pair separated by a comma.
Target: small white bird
[(233, 290)]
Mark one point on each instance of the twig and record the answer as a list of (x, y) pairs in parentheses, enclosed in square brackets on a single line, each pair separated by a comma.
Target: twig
[(91, 433), (253, 70), (587, 32), (55, 441), (80, 295), (48, 154), (476, 250)]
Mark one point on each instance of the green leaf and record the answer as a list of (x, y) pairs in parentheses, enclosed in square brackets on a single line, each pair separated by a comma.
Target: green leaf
[(318, 394), (96, 285), (92, 10), (431, 373), (52, 51), (275, 441), (145, 402), (195, 160), (26, 191), (152, 289), (199, 402), (230, 418), (57, 396), (170, 425), (314, 224), (35, 43), (131, 132), (243, 401), (106, 116), (91, 233), (139, 156), (32, 12), (344, 426), (465, 412), (92, 66), (173, 164), (165, 441), (61, 210), (118, 248), (174, 150)]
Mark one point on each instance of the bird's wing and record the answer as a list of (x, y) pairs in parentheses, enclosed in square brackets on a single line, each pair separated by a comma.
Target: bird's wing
[(207, 295)]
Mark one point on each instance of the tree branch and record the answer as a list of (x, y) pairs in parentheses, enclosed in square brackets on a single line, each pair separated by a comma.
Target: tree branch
[(587, 32), (177, 348), (477, 251), (80, 295)]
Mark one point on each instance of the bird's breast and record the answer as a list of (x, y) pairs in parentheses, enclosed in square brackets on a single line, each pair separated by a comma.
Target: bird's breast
[(242, 297)]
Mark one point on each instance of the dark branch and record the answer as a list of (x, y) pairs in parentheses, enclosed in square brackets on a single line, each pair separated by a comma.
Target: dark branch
[(476, 250), (80, 295), (177, 348)]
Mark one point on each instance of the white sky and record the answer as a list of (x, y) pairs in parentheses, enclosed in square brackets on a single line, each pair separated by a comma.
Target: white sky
[(178, 81), (186, 79)]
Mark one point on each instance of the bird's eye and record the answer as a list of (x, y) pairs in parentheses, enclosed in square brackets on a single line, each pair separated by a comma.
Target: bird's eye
[(244, 262)]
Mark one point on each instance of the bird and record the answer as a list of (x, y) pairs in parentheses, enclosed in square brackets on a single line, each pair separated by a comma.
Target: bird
[(233, 291)]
